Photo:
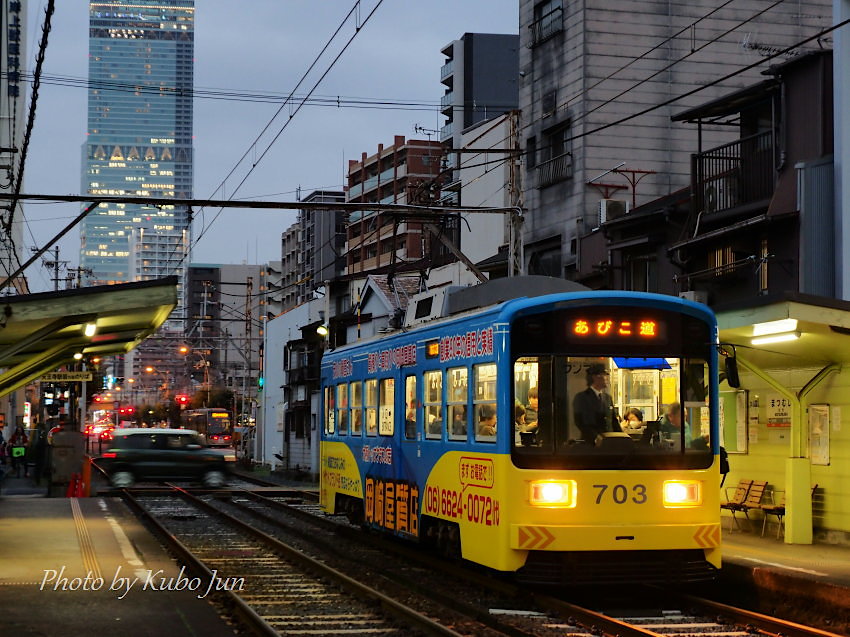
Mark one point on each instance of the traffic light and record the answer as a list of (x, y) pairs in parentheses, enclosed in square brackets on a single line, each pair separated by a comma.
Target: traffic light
[(182, 399), (261, 382)]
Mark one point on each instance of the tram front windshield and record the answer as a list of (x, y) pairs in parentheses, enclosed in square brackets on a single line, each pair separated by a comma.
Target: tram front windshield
[(632, 408)]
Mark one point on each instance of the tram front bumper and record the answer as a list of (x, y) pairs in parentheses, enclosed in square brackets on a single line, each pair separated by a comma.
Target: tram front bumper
[(614, 537)]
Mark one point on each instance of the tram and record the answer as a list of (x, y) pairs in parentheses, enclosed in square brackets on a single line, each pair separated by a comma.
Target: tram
[(214, 424), (423, 436)]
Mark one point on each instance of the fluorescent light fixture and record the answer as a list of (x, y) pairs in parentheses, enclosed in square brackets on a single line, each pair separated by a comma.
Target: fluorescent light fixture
[(776, 338), (774, 327), (90, 329)]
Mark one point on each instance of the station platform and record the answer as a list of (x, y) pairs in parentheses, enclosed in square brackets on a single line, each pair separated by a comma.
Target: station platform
[(40, 535), (47, 542)]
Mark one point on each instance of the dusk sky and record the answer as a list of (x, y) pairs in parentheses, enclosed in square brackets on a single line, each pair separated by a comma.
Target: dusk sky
[(261, 48)]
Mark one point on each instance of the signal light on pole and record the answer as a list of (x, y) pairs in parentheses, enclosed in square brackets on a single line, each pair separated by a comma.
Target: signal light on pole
[(182, 399)]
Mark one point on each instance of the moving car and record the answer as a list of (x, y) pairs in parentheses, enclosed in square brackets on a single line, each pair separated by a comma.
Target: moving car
[(163, 454)]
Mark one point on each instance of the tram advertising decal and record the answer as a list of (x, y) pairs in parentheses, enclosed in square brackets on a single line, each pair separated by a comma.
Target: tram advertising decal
[(333, 475), (457, 505), (393, 505), (343, 368), (387, 359), (469, 345), (477, 472), (379, 455)]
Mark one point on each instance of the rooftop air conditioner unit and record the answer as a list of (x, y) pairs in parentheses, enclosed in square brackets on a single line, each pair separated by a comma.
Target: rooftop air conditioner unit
[(697, 296), (611, 209)]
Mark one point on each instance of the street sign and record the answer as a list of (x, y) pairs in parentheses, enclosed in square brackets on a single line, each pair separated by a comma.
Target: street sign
[(64, 377)]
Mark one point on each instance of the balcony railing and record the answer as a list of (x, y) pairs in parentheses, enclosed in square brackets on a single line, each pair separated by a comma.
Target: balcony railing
[(447, 69), (546, 26), (735, 174), (554, 170)]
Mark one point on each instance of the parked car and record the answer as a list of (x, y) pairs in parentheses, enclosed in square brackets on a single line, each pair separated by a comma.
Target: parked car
[(163, 454)]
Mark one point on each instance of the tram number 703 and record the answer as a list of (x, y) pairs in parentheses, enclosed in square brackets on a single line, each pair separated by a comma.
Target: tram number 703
[(620, 493)]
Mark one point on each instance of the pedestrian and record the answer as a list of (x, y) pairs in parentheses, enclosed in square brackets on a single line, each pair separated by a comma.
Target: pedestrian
[(18, 444)]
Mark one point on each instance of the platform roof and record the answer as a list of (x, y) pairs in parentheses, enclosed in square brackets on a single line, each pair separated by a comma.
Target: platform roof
[(823, 325), (40, 332)]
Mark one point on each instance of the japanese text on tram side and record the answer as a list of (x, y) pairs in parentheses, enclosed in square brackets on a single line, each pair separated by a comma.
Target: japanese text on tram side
[(343, 368), (473, 507), (476, 472), (379, 455), (150, 580), (391, 358), (392, 504), (474, 343)]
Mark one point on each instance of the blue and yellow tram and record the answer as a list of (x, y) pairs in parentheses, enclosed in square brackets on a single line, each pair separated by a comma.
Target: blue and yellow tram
[(487, 434)]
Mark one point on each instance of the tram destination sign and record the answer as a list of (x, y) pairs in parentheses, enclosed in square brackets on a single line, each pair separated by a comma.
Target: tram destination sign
[(65, 377)]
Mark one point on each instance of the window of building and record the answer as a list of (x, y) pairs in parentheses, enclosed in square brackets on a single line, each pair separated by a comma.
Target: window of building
[(642, 273), (548, 20), (555, 155), (484, 402), (456, 400), (531, 152), (721, 260), (371, 407), (386, 425), (433, 401)]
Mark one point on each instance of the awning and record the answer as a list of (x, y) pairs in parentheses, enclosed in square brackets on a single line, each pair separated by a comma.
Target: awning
[(40, 332), (823, 325)]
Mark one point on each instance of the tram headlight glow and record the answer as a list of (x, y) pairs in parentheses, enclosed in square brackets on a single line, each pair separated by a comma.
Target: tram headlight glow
[(682, 493), (553, 493)]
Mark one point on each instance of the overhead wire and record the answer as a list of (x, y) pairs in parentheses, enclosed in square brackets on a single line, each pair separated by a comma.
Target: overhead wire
[(300, 105)]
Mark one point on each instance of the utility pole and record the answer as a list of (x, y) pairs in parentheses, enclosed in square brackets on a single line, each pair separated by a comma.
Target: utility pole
[(249, 333), (55, 264)]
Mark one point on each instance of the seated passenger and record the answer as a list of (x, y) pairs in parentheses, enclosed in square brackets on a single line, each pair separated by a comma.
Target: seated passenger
[(633, 422), (531, 410), (487, 421)]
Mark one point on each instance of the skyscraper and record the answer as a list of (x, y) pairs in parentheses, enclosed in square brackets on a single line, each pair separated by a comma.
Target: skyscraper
[(139, 140)]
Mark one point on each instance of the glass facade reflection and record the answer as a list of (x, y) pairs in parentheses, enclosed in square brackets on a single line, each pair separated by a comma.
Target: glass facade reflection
[(139, 138)]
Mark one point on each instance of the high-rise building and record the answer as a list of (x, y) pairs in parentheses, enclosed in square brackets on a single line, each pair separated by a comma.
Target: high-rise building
[(139, 140)]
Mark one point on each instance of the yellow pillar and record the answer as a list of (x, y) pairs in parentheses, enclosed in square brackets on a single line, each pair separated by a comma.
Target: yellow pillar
[(798, 501)]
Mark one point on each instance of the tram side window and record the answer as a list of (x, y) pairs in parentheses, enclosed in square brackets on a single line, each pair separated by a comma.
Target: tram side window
[(411, 408), (372, 407), (330, 416), (386, 425), (356, 396), (342, 408), (456, 399), (433, 393), (484, 399)]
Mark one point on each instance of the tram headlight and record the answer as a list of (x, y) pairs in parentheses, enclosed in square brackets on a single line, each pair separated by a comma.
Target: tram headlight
[(682, 493), (553, 493)]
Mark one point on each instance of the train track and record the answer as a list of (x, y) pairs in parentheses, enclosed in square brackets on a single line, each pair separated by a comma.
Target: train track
[(426, 594)]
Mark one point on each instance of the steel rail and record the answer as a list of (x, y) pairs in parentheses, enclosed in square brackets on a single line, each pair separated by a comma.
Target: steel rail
[(406, 614), (256, 623)]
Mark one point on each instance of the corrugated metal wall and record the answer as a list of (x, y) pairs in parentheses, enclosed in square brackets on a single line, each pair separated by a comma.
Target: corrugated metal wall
[(816, 202)]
